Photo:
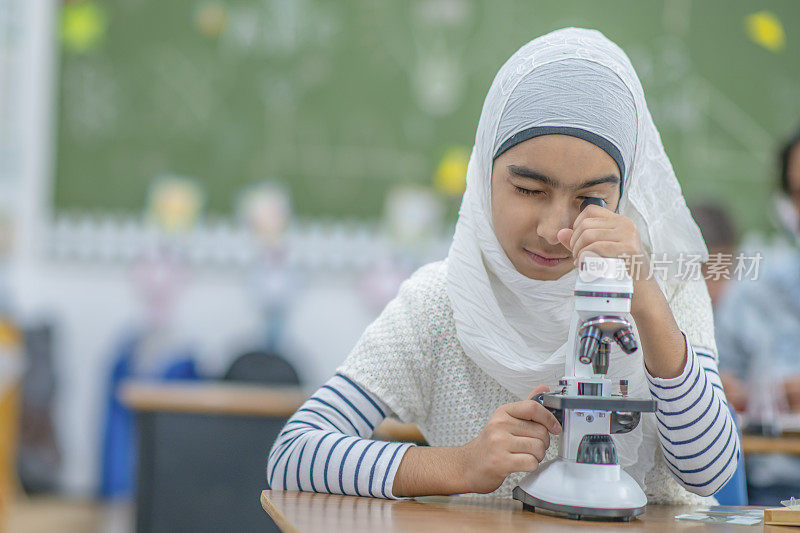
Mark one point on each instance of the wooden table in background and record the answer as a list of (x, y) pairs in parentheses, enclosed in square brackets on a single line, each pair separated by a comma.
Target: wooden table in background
[(203, 449), (221, 398), (212, 397), (308, 512), (789, 444)]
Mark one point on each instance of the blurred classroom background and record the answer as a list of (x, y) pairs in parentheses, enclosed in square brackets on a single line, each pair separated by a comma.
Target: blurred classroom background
[(186, 183)]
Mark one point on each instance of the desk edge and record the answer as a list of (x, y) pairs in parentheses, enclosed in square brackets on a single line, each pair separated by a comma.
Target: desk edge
[(280, 520)]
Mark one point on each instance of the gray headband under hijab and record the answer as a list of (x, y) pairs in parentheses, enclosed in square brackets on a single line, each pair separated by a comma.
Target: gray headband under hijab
[(572, 97)]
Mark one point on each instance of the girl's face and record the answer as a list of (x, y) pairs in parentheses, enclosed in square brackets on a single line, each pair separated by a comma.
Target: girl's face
[(537, 189)]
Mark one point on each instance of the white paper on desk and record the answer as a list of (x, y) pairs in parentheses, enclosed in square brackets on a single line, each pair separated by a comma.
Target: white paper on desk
[(722, 510), (744, 520), (740, 519)]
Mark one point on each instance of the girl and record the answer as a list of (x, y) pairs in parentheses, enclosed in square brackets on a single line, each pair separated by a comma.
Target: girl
[(468, 340)]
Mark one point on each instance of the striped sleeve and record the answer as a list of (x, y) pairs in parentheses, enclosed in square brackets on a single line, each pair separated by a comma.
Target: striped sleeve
[(696, 428), (325, 445)]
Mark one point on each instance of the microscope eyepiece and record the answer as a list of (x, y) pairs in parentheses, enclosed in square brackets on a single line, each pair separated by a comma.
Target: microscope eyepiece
[(592, 201), (626, 340)]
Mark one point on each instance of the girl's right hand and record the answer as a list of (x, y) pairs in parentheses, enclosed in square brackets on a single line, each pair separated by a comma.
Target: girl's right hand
[(514, 439)]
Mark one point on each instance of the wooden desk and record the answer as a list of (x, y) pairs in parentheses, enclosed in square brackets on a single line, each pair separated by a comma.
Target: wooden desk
[(307, 512), (789, 444)]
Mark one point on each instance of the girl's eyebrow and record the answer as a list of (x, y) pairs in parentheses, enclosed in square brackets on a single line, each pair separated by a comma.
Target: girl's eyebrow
[(525, 172), (598, 181)]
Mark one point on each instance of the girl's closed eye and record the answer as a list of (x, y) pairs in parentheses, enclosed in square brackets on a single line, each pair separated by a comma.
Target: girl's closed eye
[(528, 192)]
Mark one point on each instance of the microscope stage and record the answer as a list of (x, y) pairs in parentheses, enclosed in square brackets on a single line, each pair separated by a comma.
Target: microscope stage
[(599, 403)]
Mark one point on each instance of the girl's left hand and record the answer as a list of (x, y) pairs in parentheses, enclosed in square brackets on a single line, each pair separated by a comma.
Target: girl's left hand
[(607, 234)]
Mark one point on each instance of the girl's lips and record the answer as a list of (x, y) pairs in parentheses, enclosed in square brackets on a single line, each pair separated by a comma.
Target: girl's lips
[(544, 261)]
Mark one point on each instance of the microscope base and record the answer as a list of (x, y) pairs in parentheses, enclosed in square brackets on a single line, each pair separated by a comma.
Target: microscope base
[(529, 503), (582, 491)]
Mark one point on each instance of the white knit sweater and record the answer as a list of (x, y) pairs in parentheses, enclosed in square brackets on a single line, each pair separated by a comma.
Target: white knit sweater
[(411, 359)]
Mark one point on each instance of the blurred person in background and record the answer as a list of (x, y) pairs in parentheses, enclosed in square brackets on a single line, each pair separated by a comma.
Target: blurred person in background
[(758, 337), (720, 235)]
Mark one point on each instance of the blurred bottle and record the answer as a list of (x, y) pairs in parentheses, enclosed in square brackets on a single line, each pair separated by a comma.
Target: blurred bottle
[(767, 401)]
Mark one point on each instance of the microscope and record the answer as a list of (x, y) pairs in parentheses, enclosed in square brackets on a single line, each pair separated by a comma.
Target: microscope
[(585, 480)]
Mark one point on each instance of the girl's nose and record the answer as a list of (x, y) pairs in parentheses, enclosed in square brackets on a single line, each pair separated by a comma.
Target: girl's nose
[(551, 221)]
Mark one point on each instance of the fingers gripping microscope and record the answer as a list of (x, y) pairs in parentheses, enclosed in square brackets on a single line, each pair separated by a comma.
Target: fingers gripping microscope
[(585, 480)]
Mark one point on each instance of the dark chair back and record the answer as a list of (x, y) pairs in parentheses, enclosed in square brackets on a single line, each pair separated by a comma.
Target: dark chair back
[(262, 367)]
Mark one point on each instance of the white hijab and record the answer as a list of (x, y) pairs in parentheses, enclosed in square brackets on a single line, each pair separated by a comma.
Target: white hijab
[(513, 327)]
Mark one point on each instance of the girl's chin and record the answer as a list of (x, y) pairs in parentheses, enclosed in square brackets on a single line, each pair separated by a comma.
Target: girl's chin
[(546, 273)]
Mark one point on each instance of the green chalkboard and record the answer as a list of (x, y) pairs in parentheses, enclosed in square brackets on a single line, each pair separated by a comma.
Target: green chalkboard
[(343, 99)]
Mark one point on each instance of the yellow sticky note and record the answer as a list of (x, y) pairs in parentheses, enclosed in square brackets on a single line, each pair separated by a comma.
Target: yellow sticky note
[(175, 203), (765, 29), (83, 24), (451, 174), (212, 19)]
